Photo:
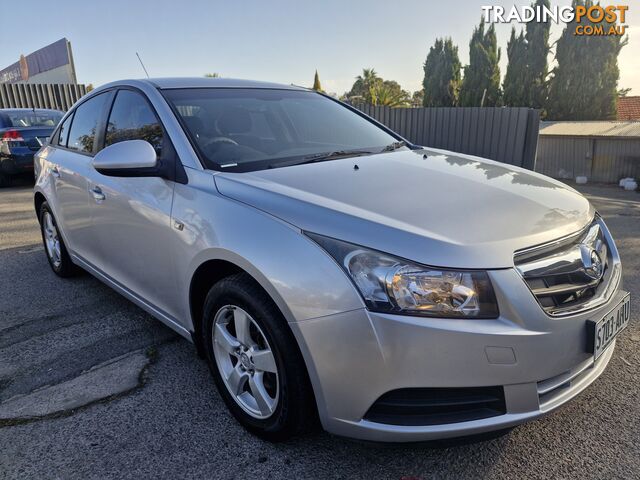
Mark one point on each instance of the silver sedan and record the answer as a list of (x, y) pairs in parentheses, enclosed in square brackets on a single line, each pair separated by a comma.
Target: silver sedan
[(328, 270)]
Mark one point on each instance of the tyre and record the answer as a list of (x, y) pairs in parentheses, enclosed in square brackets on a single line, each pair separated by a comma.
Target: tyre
[(5, 180), (255, 360), (54, 246)]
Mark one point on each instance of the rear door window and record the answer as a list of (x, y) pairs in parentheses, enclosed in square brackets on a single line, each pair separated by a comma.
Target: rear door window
[(82, 135), (63, 135)]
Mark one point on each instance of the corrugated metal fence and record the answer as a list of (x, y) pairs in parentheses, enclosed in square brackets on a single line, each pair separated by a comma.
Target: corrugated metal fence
[(600, 159), (508, 135), (46, 95), (602, 151)]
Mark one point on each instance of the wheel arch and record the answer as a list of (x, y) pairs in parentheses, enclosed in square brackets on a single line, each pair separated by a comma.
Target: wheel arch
[(212, 270), (38, 200)]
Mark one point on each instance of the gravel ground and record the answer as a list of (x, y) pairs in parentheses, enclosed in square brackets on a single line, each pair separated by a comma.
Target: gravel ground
[(173, 424)]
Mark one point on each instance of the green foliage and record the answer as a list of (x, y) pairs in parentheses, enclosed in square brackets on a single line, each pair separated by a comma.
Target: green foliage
[(584, 85), (516, 91), (441, 75), (537, 67), (316, 83), (482, 75), (417, 99), (389, 93), (371, 89), (361, 90)]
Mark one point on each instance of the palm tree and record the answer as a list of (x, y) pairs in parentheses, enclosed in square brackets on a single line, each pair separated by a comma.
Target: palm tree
[(369, 77), (361, 90), (371, 89), (383, 94)]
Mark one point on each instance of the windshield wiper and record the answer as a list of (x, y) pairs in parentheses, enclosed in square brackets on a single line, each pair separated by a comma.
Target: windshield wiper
[(321, 157), (395, 146)]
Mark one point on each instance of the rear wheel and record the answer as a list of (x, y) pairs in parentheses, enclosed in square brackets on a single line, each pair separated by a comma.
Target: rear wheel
[(255, 360), (5, 180), (54, 246)]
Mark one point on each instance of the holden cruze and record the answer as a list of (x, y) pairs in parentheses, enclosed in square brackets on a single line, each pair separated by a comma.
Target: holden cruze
[(325, 267)]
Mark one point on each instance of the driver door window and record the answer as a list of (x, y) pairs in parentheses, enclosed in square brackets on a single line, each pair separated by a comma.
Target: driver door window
[(131, 118)]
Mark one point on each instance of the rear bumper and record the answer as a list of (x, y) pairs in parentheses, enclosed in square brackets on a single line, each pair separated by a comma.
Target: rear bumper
[(14, 164), (355, 357)]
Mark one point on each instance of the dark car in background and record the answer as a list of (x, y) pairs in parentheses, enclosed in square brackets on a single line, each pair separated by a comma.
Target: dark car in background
[(22, 132)]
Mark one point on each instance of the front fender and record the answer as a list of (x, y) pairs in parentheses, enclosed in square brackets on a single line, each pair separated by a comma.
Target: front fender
[(301, 278)]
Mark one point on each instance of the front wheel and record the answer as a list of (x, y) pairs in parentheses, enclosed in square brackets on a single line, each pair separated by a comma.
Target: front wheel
[(255, 360)]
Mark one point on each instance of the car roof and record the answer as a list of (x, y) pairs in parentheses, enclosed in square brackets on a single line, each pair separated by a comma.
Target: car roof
[(204, 82)]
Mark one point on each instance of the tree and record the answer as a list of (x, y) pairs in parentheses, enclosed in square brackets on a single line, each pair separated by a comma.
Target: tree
[(441, 75), (212, 75), (361, 90), (369, 88), (525, 83), (389, 93), (481, 83), (584, 85), (537, 37), (316, 83), (417, 99), (516, 80)]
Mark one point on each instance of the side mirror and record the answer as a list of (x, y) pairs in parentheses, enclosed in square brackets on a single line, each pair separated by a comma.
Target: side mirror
[(131, 158)]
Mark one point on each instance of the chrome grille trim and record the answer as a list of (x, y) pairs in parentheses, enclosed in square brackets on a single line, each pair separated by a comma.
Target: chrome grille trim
[(572, 274)]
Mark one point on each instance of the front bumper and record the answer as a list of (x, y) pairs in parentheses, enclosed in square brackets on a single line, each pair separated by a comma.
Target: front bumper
[(355, 357)]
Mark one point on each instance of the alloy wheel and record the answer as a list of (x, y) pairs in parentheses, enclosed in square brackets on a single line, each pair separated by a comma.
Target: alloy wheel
[(51, 240), (245, 361)]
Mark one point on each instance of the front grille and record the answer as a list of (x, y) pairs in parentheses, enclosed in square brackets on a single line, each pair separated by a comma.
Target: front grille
[(572, 274), (437, 406)]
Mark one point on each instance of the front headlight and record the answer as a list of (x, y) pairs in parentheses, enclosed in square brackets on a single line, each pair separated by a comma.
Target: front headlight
[(393, 285)]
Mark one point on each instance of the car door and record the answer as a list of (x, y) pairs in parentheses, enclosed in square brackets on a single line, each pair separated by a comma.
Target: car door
[(70, 167), (131, 215)]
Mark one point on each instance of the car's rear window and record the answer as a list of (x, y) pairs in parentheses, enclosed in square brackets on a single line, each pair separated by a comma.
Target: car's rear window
[(32, 119)]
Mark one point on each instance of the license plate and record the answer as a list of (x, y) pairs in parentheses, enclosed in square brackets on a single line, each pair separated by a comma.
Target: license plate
[(603, 332)]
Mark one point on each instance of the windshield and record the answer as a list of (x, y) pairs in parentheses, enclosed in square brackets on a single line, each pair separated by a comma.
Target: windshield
[(33, 119), (240, 129)]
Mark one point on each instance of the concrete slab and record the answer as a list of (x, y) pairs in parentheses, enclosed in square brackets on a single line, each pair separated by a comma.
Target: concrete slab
[(114, 377)]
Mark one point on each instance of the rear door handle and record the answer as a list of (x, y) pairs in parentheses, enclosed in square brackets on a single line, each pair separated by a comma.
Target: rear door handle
[(97, 194), (55, 172)]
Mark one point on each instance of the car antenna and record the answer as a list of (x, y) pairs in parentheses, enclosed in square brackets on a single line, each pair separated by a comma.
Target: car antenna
[(300, 86), (143, 67)]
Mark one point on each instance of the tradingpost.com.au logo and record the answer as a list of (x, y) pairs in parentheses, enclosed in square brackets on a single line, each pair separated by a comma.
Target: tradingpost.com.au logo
[(589, 20)]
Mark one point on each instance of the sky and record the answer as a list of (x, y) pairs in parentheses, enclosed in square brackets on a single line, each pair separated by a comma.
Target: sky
[(282, 41)]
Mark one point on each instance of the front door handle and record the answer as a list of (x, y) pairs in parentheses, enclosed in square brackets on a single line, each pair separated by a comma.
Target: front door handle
[(97, 194), (55, 172)]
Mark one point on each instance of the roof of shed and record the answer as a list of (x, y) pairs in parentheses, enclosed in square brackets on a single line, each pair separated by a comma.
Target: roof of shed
[(591, 129), (629, 108)]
